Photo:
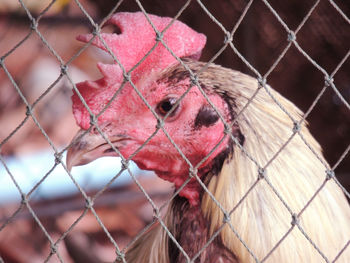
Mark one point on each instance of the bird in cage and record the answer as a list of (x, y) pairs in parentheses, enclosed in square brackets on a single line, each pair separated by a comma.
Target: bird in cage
[(250, 180)]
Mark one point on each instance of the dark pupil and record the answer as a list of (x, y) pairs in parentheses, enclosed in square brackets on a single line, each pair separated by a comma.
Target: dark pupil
[(166, 105)]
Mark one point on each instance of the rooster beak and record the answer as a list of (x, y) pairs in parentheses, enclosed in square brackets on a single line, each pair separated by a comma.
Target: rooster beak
[(87, 147)]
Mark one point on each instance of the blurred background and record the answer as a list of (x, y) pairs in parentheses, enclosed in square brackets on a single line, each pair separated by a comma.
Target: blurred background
[(27, 157)]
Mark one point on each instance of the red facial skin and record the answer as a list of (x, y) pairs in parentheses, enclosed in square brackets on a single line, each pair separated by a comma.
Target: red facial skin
[(131, 118)]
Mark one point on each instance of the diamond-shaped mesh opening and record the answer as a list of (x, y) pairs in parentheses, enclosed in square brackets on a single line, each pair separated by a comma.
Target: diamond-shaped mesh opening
[(273, 193), (312, 32)]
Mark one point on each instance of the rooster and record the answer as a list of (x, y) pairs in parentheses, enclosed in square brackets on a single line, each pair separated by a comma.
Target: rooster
[(240, 199)]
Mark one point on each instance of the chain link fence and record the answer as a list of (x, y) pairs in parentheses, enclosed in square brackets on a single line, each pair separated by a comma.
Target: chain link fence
[(54, 243)]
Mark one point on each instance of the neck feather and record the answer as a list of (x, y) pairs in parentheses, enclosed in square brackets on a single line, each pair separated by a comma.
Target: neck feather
[(257, 215)]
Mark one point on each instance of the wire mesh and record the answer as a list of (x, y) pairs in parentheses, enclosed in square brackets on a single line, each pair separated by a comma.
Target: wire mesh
[(291, 41)]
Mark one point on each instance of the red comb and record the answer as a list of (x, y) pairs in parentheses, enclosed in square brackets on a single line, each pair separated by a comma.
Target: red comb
[(135, 41)]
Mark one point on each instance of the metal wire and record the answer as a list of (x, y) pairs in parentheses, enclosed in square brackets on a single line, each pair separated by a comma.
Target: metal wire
[(261, 168)]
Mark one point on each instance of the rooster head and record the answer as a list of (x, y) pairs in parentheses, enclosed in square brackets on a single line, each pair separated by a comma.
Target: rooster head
[(168, 129)]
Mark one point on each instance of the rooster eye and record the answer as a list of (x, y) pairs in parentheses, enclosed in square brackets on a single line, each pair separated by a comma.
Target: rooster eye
[(166, 105)]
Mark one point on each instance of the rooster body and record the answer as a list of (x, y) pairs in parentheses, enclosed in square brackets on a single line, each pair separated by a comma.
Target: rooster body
[(268, 212), (261, 220)]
